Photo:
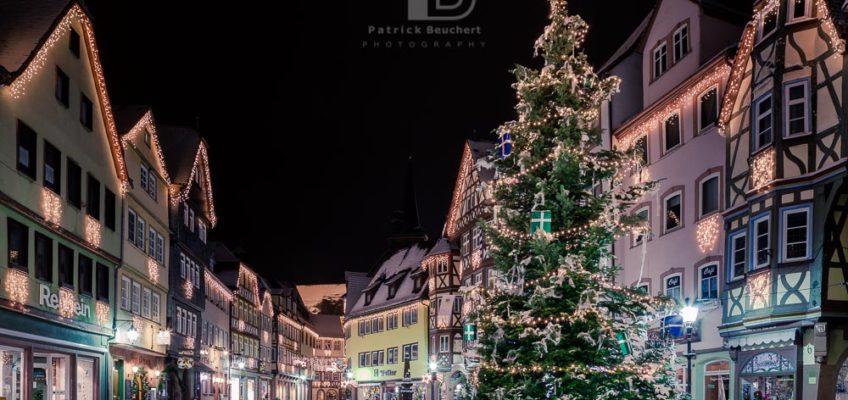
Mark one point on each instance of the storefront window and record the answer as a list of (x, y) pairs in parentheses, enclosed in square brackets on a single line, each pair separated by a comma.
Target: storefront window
[(10, 373), (85, 379), (768, 376), (717, 381), (50, 377)]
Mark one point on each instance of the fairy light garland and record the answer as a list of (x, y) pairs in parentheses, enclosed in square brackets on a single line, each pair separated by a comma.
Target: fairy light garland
[(147, 123), (51, 207), (182, 195), (571, 369), (153, 270), (188, 289), (250, 278), (17, 88), (67, 302), (102, 309), (92, 231), (17, 286), (762, 169), (707, 233), (651, 121), (218, 286)]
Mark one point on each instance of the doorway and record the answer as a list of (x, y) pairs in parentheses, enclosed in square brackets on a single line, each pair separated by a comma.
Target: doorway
[(50, 377)]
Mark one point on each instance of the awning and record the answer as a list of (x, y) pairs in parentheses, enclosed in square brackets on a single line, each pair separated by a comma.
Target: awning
[(754, 341)]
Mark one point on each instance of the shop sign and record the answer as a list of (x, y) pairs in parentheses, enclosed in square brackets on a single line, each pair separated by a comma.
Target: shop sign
[(50, 299), (384, 372)]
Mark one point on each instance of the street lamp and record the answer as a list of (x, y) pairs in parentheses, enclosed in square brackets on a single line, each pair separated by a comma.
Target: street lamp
[(690, 315), (433, 366), (132, 334)]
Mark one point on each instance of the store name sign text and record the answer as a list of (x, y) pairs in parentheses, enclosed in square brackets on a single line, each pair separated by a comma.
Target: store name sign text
[(50, 299)]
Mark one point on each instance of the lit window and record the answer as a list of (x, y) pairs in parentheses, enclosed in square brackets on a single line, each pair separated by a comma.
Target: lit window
[(641, 146), (673, 212), (639, 235), (444, 344), (660, 59), (796, 234), (763, 123), (673, 287), (796, 108), (643, 287)]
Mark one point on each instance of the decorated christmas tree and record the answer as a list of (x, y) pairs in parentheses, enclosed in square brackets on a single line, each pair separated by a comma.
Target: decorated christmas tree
[(555, 324)]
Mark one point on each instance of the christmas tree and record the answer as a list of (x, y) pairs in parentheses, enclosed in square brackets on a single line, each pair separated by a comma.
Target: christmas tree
[(555, 324)]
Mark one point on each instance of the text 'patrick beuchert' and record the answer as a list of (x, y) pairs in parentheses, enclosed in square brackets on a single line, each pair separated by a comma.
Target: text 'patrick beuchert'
[(424, 30)]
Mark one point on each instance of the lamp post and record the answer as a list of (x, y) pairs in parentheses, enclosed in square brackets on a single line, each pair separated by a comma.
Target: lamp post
[(433, 367), (690, 315)]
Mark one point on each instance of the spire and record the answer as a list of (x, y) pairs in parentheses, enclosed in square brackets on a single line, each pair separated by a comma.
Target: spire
[(405, 223)]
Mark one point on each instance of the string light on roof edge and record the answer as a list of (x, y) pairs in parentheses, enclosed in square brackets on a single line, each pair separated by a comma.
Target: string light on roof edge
[(147, 122), (178, 195)]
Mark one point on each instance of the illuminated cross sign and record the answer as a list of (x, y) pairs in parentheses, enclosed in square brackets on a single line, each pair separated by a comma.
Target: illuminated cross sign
[(540, 220), (470, 332)]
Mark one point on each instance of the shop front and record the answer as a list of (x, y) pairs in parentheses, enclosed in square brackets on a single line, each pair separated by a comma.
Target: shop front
[(138, 373), (768, 374), (390, 390)]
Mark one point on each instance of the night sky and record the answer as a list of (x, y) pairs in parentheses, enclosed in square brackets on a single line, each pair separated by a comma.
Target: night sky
[(292, 101)]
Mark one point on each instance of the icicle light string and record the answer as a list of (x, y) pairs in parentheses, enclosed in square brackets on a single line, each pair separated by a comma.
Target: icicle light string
[(147, 122)]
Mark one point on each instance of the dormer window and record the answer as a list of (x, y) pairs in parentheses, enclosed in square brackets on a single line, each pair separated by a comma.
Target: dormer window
[(799, 10), (368, 297), (442, 266), (392, 291), (660, 57), (418, 283), (74, 44), (681, 42)]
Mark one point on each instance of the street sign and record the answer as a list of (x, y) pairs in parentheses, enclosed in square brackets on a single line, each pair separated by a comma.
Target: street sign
[(469, 331)]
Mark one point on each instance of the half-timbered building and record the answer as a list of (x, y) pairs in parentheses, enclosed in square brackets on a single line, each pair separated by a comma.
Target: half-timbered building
[(441, 266), (783, 117)]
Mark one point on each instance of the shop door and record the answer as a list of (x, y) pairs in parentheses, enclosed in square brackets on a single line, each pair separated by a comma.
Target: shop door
[(11, 363), (50, 377)]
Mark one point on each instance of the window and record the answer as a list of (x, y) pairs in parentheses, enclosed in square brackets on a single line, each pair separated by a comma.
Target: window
[(393, 355), (410, 351), (152, 185), (708, 109), (136, 298), (145, 302), (392, 320), (92, 206), (763, 128), (52, 168), (708, 276), (478, 279), (103, 274), (66, 266), (768, 23), (26, 150), (737, 255), (201, 230), (139, 233), (442, 266), (185, 213), (63, 84), (364, 359), (86, 275), (673, 212), (760, 241), (191, 220), (641, 148), (182, 265), (160, 249), (796, 234), (796, 108), (643, 287), (86, 112), (673, 287), (717, 380), (709, 195), (639, 235), (799, 10), (660, 59), (43, 257), (681, 42), (125, 293), (18, 243), (151, 242), (109, 209), (147, 138), (74, 184), (444, 344), (74, 44), (154, 307), (672, 132)]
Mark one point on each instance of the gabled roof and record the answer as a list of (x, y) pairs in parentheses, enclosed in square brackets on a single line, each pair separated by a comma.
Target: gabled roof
[(131, 121), (630, 44), (441, 247), (186, 155), (397, 267), (28, 30), (474, 155)]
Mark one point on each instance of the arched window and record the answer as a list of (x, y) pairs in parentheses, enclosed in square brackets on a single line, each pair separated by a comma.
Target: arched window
[(717, 380), (320, 395), (768, 375)]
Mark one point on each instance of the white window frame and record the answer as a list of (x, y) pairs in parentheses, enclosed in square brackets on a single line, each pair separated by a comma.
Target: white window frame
[(444, 343), (679, 276), (698, 106), (681, 40), (758, 117), (132, 219), (784, 215), (136, 298), (701, 280), (183, 266), (641, 236), (143, 173), (701, 192), (201, 230), (126, 293), (732, 253), (151, 242), (154, 307), (790, 11), (788, 103), (160, 248), (140, 239), (666, 229), (146, 294), (646, 285), (661, 50), (667, 149), (441, 268), (754, 239)]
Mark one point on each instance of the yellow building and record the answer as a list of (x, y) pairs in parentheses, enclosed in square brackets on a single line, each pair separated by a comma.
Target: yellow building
[(387, 326)]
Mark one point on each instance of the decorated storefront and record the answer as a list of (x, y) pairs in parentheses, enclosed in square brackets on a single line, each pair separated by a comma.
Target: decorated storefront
[(769, 374)]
